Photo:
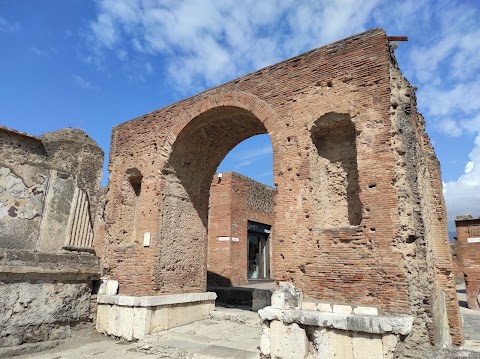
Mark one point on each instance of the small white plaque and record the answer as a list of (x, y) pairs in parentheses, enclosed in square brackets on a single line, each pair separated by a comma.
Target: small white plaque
[(223, 238), (146, 239), (235, 239), (473, 240)]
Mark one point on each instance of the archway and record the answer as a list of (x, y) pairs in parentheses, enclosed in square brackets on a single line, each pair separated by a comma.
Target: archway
[(195, 155)]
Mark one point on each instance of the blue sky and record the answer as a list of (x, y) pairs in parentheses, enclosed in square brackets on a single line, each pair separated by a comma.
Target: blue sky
[(95, 64)]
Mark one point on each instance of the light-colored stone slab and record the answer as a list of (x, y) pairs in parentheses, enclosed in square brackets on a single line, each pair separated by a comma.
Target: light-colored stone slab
[(103, 317), (108, 287), (333, 344), (367, 346), (141, 325), (365, 310), (288, 341), (265, 343), (153, 301), (389, 343), (324, 307), (278, 300), (342, 309), (309, 306), (361, 323)]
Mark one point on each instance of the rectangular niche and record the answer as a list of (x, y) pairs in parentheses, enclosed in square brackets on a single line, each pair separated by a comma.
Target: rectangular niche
[(334, 172)]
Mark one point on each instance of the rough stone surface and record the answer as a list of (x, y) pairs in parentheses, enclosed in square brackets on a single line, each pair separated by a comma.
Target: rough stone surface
[(288, 341), (48, 197), (42, 182), (32, 312), (359, 212), (331, 344), (361, 323)]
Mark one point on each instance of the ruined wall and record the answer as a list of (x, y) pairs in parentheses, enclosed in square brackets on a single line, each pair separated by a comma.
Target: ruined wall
[(48, 198), (357, 215), (457, 266), (468, 247), (234, 200), (422, 237)]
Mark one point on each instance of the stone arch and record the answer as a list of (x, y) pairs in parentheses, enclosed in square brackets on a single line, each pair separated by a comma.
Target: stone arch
[(193, 150)]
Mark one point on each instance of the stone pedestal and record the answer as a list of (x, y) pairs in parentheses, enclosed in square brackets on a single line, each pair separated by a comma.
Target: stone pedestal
[(132, 317), (292, 331)]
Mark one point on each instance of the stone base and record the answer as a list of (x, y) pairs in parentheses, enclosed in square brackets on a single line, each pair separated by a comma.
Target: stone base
[(293, 328), (132, 318)]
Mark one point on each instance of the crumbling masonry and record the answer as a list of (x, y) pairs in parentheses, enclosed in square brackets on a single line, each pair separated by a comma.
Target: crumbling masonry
[(48, 200), (359, 212)]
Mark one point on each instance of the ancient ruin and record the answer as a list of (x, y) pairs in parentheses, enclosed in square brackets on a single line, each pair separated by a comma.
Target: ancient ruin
[(359, 212), (48, 200), (360, 241)]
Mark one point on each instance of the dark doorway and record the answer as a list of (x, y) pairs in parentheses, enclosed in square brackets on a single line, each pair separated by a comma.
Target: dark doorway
[(258, 254)]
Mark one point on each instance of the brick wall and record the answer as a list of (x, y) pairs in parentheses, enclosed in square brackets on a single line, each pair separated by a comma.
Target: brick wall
[(468, 251), (234, 200), (353, 226)]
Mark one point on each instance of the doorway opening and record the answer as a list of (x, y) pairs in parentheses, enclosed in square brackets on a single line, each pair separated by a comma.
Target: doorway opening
[(258, 251)]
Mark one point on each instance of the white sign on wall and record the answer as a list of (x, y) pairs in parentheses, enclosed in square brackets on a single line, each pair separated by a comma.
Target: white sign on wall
[(146, 239), (473, 240)]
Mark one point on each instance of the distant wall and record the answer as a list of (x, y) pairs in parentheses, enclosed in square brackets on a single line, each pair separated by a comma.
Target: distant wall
[(468, 252), (234, 200)]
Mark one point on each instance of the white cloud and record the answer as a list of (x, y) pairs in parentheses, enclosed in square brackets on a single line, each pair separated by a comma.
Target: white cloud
[(209, 42), (463, 195), (81, 82), (43, 52), (197, 44), (6, 26), (247, 157)]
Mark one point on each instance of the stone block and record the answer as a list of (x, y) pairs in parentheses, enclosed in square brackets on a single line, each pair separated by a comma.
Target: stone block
[(324, 307), (365, 310), (389, 343), (367, 346), (159, 320), (309, 306), (342, 309), (108, 287), (260, 299), (278, 300), (103, 318), (265, 341), (288, 341), (134, 317), (293, 296), (142, 322), (333, 344)]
